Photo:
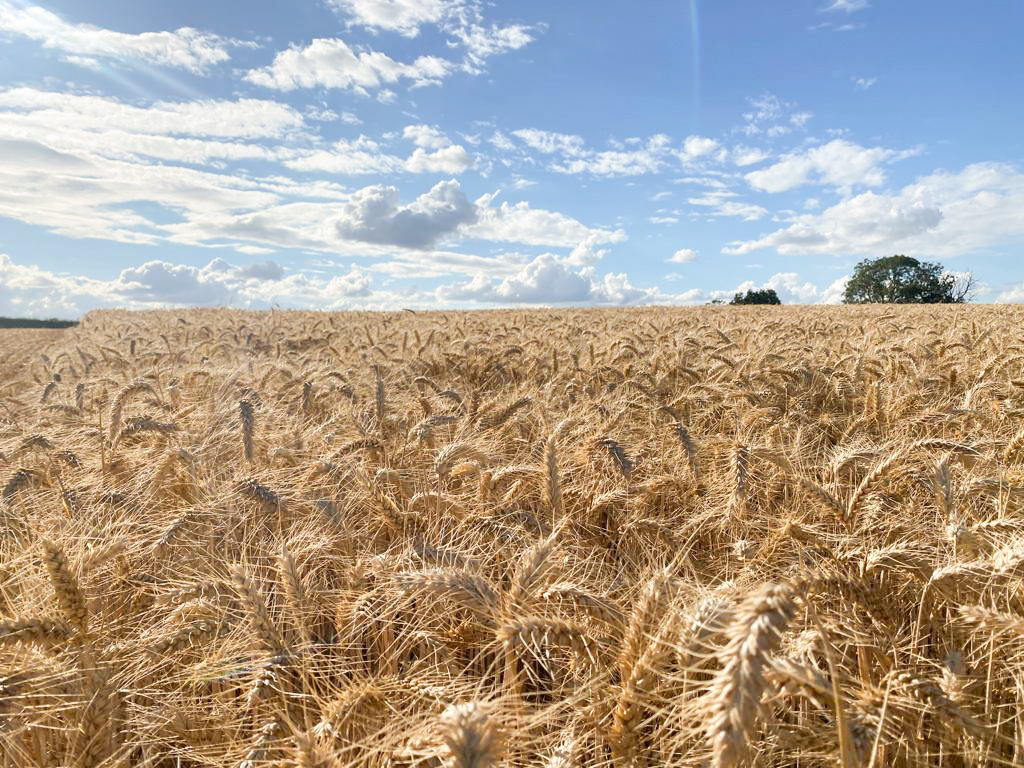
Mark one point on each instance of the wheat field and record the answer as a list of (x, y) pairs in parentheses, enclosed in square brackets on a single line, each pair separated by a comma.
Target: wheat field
[(722, 537)]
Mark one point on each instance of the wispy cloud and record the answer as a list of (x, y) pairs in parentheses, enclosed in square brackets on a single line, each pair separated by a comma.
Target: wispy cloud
[(184, 48), (846, 6)]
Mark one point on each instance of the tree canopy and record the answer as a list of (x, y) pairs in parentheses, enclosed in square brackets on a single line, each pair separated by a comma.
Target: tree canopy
[(762, 296), (905, 280)]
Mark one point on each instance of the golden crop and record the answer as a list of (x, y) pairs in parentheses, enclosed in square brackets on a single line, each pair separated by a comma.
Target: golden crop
[(726, 536)]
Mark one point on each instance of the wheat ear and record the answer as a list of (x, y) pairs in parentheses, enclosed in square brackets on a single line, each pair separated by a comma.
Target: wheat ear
[(471, 739), (736, 690), (66, 588)]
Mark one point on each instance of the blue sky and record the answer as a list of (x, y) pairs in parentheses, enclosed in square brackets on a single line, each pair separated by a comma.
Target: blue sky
[(344, 154)]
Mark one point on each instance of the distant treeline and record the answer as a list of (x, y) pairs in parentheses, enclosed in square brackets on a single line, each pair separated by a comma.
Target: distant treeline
[(24, 322)]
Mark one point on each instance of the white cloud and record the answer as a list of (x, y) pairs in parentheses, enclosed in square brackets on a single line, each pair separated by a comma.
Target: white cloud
[(161, 282), (426, 136), (351, 157), (88, 167), (790, 288), (720, 204), (28, 290), (942, 214), (204, 133), (241, 118), (771, 116), (546, 142), (683, 256), (586, 251), (402, 16), (743, 156), (633, 157), (519, 223), (462, 20), (482, 42), (253, 250), (446, 158), (184, 48), (1014, 294), (549, 280), (863, 83), (545, 280), (502, 142), (356, 282), (663, 219), (698, 146), (325, 115), (451, 160), (84, 194), (373, 215), (839, 163), (331, 63), (847, 6), (833, 294), (800, 119), (648, 159)]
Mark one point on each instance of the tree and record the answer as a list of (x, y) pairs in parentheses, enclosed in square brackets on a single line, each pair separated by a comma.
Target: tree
[(903, 280), (763, 296)]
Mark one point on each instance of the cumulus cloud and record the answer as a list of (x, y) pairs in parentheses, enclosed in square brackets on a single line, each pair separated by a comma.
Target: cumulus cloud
[(586, 251), (520, 223), (698, 146), (1013, 294), (683, 256), (161, 282), (435, 152), (31, 291), (90, 184), (331, 63), (791, 289), (426, 136), (833, 294), (184, 48), (262, 270), (542, 280), (941, 214), (453, 159), (462, 20), (402, 16), (839, 163), (548, 280), (374, 215), (84, 166)]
